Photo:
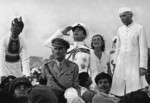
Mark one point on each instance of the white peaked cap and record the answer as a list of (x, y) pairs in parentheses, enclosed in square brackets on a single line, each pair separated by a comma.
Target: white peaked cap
[(84, 26), (124, 9)]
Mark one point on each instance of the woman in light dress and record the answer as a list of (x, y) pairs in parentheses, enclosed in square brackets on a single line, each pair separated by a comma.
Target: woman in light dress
[(100, 59)]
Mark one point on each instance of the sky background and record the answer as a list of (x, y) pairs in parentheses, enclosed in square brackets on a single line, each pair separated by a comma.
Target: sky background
[(43, 17)]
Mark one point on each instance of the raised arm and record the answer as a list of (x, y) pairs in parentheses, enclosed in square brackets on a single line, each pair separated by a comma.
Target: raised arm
[(58, 34)]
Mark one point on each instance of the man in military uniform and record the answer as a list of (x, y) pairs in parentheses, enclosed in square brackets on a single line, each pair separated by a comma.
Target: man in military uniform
[(78, 52), (60, 73)]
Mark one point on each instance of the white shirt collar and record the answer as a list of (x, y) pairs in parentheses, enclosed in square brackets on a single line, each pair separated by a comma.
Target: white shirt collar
[(78, 44)]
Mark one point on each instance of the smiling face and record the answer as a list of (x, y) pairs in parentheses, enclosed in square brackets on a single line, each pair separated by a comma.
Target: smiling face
[(104, 85), (126, 18), (79, 34), (97, 41)]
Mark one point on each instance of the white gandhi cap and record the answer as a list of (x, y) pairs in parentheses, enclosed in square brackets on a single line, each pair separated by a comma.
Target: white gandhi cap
[(124, 9)]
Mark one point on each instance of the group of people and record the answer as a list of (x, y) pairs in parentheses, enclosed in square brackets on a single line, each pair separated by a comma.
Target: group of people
[(79, 74)]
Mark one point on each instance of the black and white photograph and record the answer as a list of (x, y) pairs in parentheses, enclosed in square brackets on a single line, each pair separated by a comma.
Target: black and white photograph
[(74, 51)]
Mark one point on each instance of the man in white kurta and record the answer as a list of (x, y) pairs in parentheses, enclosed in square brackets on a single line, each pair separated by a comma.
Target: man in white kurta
[(78, 52), (131, 56), (13, 54)]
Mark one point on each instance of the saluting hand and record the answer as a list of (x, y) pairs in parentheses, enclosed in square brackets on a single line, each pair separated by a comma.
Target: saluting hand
[(66, 29)]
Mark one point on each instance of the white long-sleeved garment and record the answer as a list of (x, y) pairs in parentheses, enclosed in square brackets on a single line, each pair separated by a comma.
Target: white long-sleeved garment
[(131, 54), (17, 69)]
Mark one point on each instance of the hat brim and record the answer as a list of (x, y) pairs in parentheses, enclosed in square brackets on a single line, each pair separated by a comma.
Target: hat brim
[(58, 46)]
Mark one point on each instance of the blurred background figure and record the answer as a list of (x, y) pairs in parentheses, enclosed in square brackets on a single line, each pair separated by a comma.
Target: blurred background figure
[(6, 81), (135, 97), (42, 94), (20, 87), (84, 82), (112, 54), (35, 76), (6, 97)]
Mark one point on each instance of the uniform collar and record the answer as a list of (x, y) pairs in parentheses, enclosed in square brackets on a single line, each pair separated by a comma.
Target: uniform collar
[(57, 62), (129, 25), (79, 43)]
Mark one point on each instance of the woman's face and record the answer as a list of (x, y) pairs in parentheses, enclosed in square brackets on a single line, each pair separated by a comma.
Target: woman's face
[(97, 41)]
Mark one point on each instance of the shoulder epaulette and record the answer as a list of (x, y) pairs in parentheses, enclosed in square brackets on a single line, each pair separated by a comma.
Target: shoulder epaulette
[(48, 62)]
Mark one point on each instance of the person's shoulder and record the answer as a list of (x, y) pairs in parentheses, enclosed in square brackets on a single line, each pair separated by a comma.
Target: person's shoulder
[(122, 27), (70, 62), (49, 62), (138, 25)]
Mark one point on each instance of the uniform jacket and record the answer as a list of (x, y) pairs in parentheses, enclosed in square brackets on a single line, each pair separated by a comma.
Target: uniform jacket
[(67, 77)]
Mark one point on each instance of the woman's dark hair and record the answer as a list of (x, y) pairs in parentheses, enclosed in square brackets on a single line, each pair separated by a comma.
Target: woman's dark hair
[(103, 46)]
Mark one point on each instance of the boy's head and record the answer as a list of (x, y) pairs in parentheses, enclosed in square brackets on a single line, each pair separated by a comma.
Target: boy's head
[(103, 81), (84, 79)]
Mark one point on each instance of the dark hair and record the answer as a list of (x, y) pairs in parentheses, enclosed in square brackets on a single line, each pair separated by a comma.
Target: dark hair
[(6, 97), (19, 22), (83, 77), (5, 82), (103, 46), (103, 75), (139, 97), (135, 97)]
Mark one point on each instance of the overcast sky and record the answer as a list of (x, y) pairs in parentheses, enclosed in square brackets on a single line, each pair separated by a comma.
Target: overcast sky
[(43, 17)]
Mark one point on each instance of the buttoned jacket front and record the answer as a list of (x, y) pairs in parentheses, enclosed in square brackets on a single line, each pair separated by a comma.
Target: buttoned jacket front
[(67, 77), (131, 54)]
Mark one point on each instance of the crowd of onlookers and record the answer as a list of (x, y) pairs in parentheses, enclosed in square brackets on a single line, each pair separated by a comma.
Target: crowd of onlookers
[(23, 90)]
